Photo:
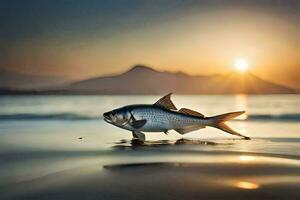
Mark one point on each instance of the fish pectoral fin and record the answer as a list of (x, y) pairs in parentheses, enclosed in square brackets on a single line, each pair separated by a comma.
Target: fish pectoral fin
[(188, 129), (191, 112), (138, 123), (166, 102), (138, 135)]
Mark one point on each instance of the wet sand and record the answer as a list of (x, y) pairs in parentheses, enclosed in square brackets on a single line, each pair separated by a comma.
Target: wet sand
[(158, 170)]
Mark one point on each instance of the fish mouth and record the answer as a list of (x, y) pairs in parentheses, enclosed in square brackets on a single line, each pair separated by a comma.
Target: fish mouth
[(107, 118)]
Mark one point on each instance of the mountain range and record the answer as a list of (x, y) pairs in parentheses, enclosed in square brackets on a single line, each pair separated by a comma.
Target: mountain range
[(145, 80), (20, 81)]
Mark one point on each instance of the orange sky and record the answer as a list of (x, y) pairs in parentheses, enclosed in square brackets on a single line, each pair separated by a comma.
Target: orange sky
[(197, 39)]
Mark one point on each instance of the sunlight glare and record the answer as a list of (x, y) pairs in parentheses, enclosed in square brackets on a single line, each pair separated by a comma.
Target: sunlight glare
[(247, 185), (241, 65), (241, 103), (247, 158)]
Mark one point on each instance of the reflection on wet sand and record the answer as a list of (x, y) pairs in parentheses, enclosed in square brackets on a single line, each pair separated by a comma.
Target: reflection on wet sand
[(222, 176), (247, 185), (162, 172), (157, 143), (256, 146), (247, 158)]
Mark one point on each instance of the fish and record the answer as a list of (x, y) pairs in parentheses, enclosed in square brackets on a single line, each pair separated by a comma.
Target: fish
[(163, 116)]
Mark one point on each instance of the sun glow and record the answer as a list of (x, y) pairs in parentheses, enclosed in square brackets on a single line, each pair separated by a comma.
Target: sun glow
[(247, 185), (241, 65), (247, 158)]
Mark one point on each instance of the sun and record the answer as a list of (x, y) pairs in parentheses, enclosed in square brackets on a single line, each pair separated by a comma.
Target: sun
[(241, 65)]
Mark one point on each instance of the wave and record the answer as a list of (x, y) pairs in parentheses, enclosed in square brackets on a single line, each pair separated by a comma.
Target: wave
[(54, 116), (283, 117), (73, 116)]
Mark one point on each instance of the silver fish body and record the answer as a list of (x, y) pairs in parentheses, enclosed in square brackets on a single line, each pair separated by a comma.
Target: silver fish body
[(164, 116), (160, 119)]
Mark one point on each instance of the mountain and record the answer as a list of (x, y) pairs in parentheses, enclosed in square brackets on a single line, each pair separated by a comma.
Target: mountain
[(145, 80), (20, 81)]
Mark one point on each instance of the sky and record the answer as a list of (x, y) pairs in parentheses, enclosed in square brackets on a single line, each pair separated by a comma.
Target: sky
[(79, 39)]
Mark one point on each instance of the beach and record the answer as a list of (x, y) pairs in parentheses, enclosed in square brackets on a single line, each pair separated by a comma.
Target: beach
[(59, 147), (150, 100)]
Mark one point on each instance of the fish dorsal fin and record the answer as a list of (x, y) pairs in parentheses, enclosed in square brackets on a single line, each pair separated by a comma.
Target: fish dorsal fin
[(188, 129), (191, 112), (166, 102)]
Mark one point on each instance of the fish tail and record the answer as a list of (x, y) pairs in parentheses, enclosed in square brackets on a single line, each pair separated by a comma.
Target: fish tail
[(219, 122)]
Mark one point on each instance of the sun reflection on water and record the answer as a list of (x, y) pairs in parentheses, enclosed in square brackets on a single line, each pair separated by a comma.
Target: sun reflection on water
[(246, 185), (247, 158), (241, 103)]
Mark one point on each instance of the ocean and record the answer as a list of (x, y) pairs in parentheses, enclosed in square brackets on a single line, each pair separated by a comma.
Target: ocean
[(50, 145)]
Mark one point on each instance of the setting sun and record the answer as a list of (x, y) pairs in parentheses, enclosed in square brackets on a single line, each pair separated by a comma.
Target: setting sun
[(241, 65)]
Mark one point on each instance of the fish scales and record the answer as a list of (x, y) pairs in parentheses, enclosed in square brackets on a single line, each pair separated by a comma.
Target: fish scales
[(161, 119), (163, 116)]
